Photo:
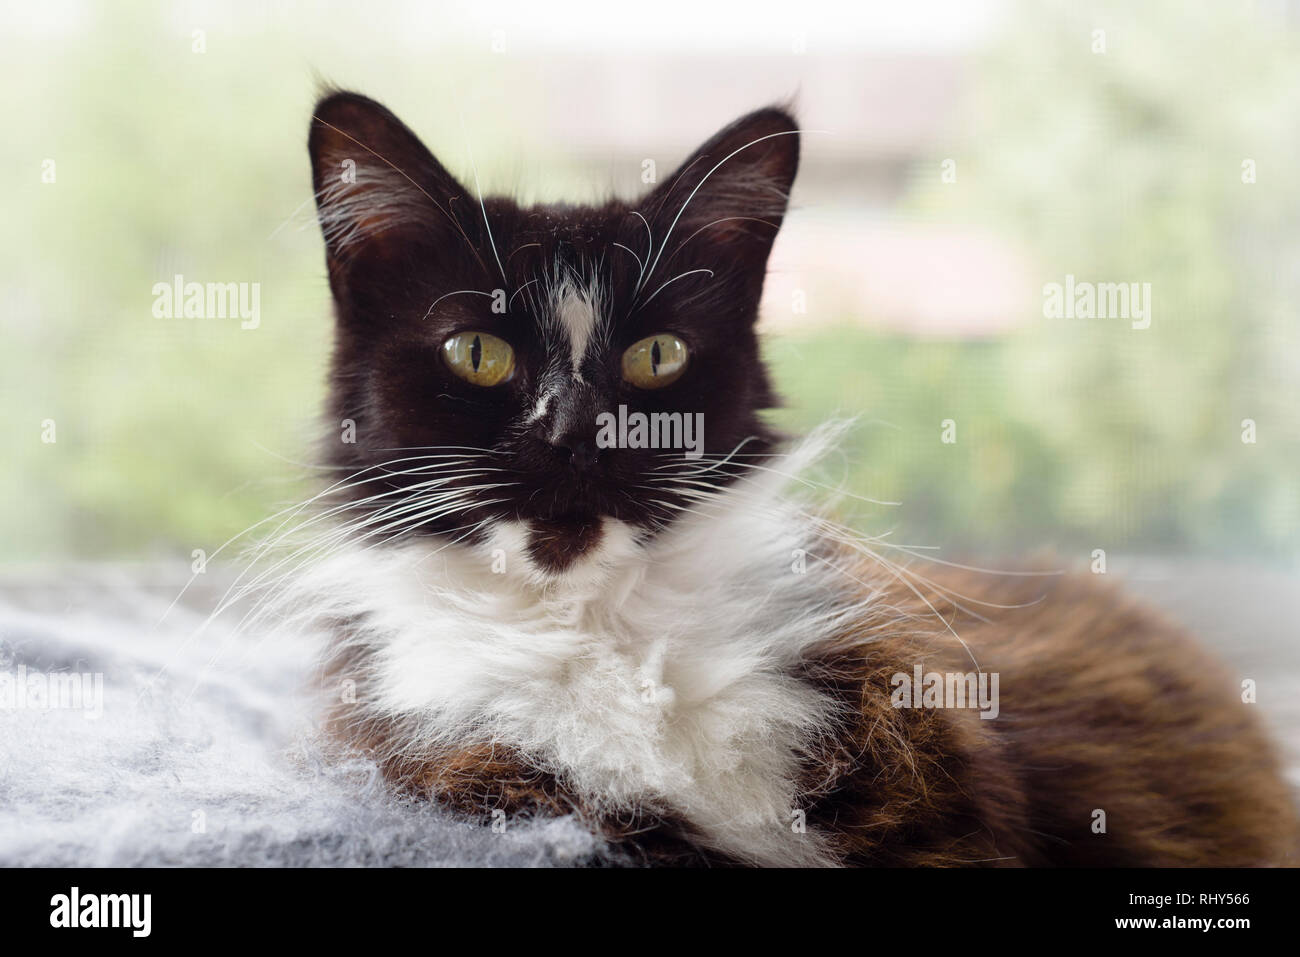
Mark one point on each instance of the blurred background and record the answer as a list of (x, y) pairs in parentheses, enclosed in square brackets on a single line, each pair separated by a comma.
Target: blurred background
[(961, 155)]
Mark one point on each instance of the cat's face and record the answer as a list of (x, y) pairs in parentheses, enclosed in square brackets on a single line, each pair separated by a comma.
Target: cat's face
[(478, 342)]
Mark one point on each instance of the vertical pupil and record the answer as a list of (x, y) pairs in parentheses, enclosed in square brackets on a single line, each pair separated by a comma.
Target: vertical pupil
[(654, 358), (475, 352)]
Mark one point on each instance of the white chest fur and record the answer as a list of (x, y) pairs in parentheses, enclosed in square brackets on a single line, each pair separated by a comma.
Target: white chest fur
[(658, 673)]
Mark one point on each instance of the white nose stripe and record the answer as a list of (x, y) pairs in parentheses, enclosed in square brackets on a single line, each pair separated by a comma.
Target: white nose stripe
[(576, 310)]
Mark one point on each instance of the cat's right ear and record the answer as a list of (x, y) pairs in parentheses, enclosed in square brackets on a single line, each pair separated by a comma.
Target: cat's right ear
[(380, 194)]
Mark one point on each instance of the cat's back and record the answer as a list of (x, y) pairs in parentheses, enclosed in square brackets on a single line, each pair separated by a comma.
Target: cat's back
[(1100, 733)]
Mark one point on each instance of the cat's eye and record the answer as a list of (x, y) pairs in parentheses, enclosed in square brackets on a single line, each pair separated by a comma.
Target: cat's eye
[(479, 358), (655, 361)]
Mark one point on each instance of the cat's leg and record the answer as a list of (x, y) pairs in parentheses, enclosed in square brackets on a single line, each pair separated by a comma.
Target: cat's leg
[(491, 783)]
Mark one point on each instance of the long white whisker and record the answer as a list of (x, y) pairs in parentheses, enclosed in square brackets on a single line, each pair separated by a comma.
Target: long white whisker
[(457, 292), (690, 272), (482, 207), (724, 159), (640, 265), (340, 485), (650, 248)]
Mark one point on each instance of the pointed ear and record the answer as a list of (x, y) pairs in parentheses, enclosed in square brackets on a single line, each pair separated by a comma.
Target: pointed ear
[(378, 189), (729, 198)]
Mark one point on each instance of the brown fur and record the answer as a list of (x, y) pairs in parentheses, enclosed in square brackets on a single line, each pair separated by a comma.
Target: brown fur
[(1103, 705), (476, 780)]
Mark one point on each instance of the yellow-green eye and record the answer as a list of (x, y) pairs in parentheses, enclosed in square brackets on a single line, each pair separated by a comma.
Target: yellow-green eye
[(655, 361), (479, 358)]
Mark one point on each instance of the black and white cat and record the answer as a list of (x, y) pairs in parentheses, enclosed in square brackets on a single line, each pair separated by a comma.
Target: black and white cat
[(667, 645)]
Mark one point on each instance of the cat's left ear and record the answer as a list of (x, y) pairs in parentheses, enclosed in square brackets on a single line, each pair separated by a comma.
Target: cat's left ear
[(378, 189), (729, 198)]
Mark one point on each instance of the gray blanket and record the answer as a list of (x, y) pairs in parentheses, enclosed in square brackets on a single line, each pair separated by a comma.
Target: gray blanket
[(204, 751)]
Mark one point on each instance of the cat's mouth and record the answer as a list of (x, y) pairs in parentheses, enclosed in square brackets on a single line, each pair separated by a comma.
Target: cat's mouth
[(557, 542)]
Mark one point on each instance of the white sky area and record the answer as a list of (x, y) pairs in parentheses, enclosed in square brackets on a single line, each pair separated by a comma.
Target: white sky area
[(691, 25), (664, 26)]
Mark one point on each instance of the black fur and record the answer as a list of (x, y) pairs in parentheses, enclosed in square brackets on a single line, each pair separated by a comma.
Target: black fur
[(718, 212)]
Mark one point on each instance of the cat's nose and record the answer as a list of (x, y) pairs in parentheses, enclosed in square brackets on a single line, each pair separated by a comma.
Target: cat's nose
[(571, 428), (578, 449)]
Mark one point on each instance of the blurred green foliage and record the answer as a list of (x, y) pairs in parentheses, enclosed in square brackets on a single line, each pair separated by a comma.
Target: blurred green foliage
[(1122, 166)]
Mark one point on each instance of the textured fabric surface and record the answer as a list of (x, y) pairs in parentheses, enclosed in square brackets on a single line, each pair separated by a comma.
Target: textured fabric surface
[(204, 753)]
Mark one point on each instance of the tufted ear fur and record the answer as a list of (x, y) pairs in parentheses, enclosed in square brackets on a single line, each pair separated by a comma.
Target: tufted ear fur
[(387, 208), (725, 204)]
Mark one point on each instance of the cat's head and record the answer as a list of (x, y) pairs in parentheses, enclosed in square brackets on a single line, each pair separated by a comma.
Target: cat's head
[(506, 367)]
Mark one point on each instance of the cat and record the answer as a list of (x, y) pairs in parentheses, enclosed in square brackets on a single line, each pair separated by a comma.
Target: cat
[(536, 617)]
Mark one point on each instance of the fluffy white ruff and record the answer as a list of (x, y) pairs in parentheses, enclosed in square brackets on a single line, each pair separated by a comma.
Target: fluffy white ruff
[(653, 672)]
